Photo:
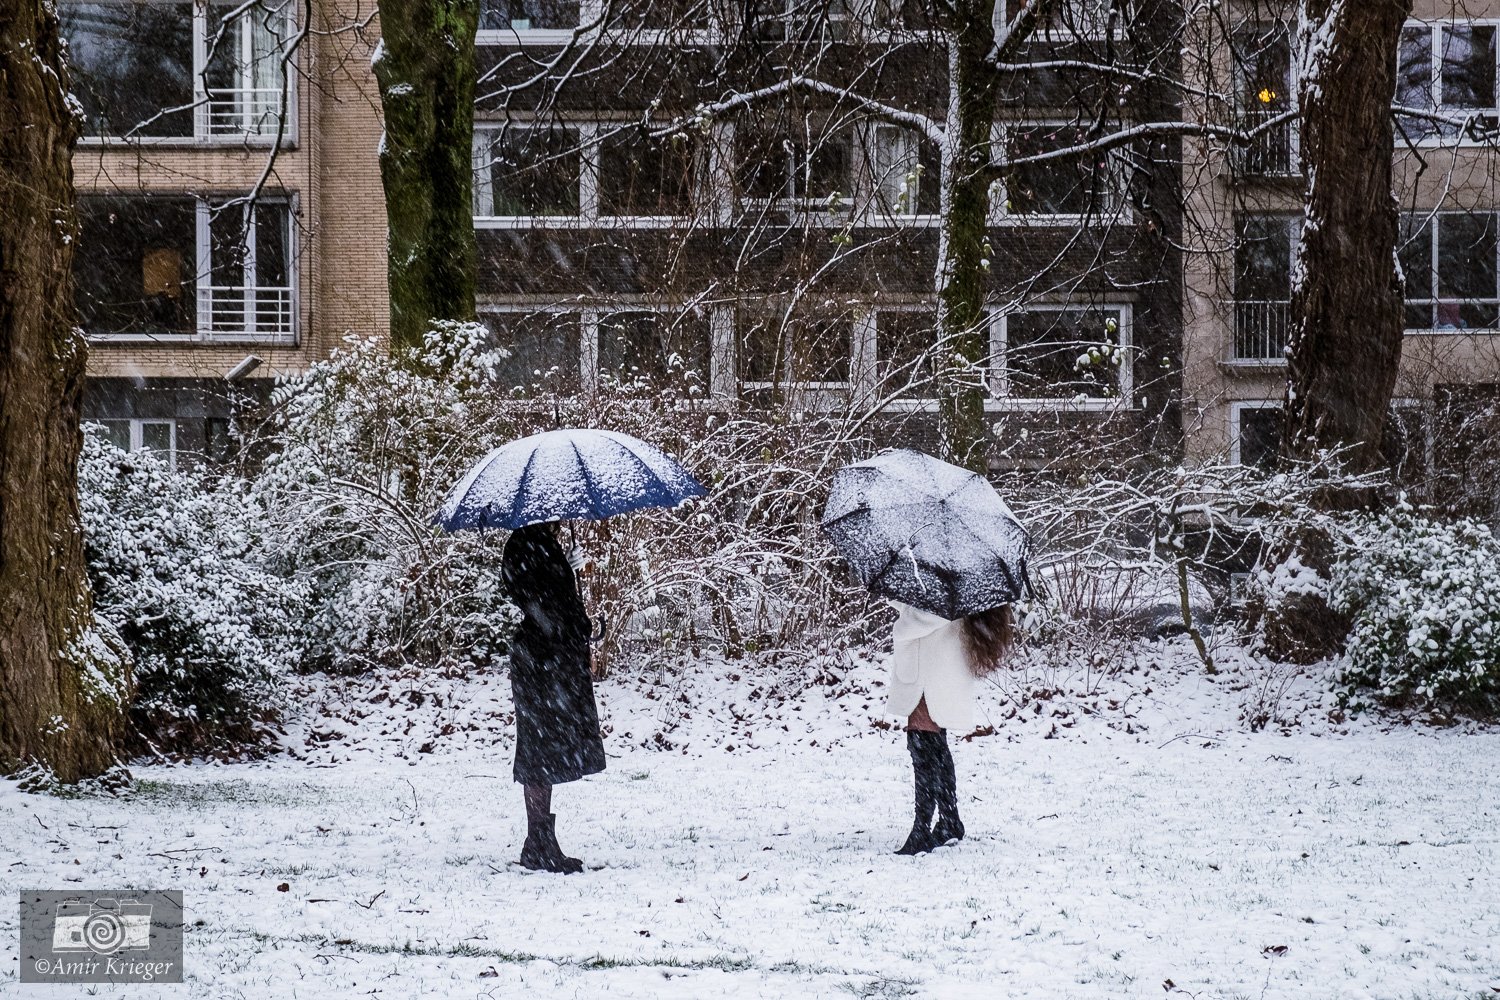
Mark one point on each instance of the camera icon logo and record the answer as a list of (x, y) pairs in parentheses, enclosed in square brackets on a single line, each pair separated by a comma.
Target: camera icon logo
[(104, 927)]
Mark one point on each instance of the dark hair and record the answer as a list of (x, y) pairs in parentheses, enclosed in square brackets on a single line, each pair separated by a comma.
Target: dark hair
[(987, 637)]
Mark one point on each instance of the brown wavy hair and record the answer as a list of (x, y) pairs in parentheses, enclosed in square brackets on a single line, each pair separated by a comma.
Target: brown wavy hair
[(987, 637)]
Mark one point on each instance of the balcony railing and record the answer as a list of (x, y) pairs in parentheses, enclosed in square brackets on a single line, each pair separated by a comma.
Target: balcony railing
[(1273, 153), (244, 111), (246, 312), (1261, 330)]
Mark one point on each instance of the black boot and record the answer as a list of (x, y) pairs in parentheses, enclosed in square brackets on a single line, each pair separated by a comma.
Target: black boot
[(541, 851), (924, 771), (949, 827)]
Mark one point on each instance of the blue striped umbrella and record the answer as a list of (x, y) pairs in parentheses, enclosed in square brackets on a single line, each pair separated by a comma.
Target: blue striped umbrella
[(565, 475)]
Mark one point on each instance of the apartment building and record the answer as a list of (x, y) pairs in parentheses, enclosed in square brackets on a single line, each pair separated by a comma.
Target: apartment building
[(232, 225), (655, 205), (1247, 202)]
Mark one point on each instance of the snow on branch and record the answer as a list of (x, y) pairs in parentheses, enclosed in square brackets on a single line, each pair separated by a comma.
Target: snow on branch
[(876, 109)]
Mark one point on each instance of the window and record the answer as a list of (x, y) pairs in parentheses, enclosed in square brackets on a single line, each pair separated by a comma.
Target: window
[(906, 352), (798, 20), (181, 267), (1254, 434), (808, 171), (543, 349), (529, 15), (1264, 89), (1064, 353), (655, 345), (1074, 187), (164, 69), (1447, 68), (1449, 261), (531, 170), (143, 435), (1263, 252), (796, 351), (907, 170), (1080, 19), (641, 174)]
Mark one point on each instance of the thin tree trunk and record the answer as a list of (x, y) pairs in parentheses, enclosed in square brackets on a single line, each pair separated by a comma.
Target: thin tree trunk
[(64, 679), (426, 71), (961, 275), (1346, 296)]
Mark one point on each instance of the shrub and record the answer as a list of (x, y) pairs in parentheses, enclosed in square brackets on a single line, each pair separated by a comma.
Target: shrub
[(174, 564), (1425, 596)]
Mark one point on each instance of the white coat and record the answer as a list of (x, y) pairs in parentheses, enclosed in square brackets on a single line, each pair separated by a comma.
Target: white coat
[(929, 661)]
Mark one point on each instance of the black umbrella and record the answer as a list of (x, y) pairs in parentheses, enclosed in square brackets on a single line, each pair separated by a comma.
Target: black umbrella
[(928, 534)]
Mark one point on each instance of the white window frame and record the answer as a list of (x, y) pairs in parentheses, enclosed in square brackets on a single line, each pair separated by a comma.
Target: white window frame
[(1250, 116), (204, 333), (1116, 33), (588, 334), (1436, 30), (1114, 210), (858, 335), (870, 348), (203, 131), (588, 149), (999, 398), (590, 28), (868, 168), (816, 210), (1235, 411), (1432, 221), (1294, 223), (137, 432), (794, 11)]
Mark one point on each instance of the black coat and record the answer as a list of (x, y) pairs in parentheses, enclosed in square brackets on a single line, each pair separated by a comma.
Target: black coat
[(557, 723)]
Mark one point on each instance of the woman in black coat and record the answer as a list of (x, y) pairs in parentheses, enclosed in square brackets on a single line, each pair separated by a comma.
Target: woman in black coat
[(557, 723)]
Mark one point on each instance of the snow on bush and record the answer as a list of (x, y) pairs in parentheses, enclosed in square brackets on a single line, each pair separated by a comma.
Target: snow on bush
[(363, 447), (1425, 596), (174, 564)]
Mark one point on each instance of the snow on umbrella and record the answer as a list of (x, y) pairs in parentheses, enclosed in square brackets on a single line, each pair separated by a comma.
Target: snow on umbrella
[(927, 533), (565, 475)]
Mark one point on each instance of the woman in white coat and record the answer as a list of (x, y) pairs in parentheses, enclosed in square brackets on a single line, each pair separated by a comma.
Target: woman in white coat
[(934, 664)]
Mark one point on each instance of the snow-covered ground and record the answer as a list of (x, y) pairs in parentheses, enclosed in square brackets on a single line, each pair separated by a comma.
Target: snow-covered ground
[(1128, 836)]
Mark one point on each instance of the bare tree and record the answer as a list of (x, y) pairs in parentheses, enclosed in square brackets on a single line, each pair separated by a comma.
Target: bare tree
[(63, 684)]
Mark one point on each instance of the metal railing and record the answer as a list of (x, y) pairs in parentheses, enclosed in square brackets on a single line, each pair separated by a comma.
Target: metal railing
[(1261, 330), (240, 111), (260, 311), (1273, 153)]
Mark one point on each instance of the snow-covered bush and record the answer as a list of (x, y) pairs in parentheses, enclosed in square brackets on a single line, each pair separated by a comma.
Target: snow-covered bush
[(1425, 596), (174, 563), (362, 448)]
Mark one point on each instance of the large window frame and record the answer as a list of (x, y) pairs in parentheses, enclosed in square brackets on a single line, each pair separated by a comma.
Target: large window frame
[(1262, 325), (1113, 203), (132, 434), (584, 150), (1237, 424), (244, 312), (249, 114), (1421, 132), (1001, 372), (590, 26), (1432, 227)]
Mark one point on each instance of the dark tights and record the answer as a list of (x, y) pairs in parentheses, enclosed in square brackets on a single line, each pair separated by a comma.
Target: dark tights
[(538, 801)]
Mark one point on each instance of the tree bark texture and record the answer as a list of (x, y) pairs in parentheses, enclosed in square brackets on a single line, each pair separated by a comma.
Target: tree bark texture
[(961, 275), (64, 679), (426, 71), (1347, 321)]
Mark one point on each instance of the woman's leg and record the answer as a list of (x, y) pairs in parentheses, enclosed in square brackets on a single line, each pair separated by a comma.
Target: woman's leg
[(541, 851), (920, 733), (949, 827)]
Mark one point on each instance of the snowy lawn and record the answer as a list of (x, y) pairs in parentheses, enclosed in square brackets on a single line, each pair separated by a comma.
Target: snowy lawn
[(1325, 860)]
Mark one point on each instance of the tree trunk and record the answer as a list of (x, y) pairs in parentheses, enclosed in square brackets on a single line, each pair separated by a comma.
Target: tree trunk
[(64, 679), (962, 256), (1346, 297), (1347, 322), (425, 67)]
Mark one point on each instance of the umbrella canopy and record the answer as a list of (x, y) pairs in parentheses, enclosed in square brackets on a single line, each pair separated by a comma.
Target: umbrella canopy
[(927, 533), (565, 475)]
